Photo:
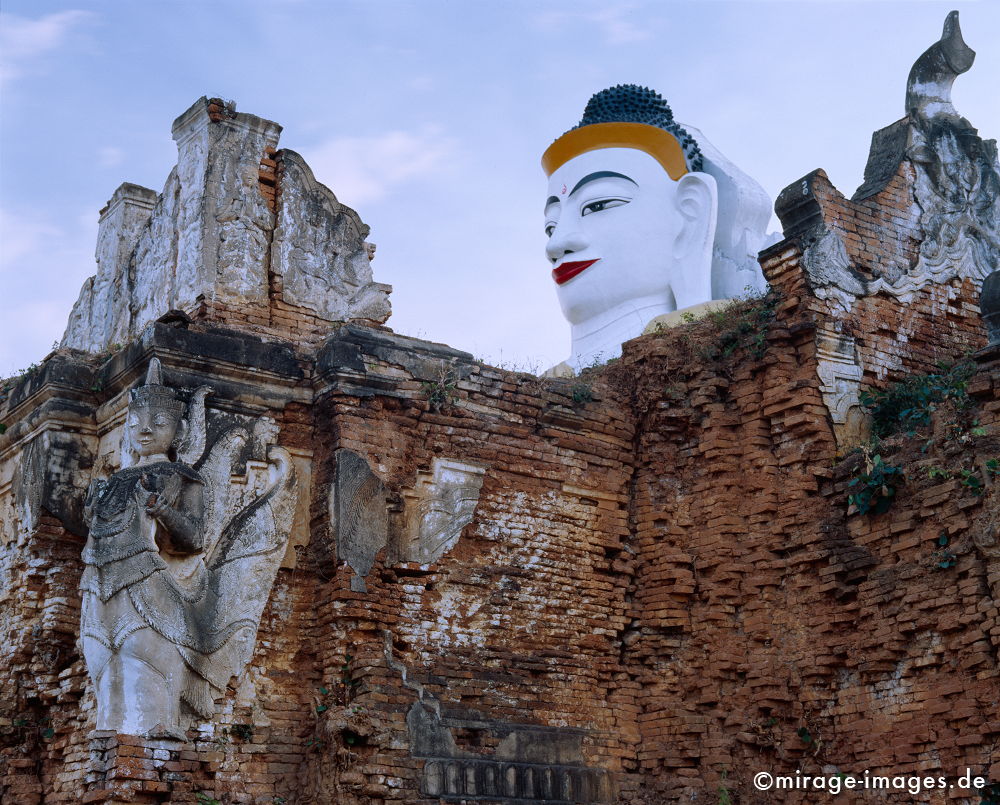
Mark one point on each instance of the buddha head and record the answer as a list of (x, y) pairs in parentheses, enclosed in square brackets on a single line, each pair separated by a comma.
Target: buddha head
[(155, 423), (631, 217)]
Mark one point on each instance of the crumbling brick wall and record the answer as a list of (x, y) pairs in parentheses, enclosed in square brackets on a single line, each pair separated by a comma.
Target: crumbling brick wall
[(771, 630), (658, 589), (661, 558)]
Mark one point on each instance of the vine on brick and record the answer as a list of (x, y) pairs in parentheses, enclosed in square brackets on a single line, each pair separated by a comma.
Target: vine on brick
[(876, 486), (907, 406)]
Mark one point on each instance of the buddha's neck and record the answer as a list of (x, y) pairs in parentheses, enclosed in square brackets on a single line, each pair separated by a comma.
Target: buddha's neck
[(153, 459), (600, 337)]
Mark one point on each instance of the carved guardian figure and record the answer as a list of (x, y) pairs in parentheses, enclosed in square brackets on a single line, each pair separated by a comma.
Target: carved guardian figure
[(178, 564)]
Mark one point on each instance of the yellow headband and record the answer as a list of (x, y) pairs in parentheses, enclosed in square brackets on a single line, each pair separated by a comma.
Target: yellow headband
[(659, 144)]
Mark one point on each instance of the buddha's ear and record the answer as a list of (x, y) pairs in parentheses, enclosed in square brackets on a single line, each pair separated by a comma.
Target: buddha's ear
[(697, 204), (182, 430)]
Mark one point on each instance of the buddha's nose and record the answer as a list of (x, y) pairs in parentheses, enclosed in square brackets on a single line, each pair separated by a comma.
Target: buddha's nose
[(566, 239)]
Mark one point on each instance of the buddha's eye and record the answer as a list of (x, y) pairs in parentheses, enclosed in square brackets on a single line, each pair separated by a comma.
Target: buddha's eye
[(549, 229), (603, 204)]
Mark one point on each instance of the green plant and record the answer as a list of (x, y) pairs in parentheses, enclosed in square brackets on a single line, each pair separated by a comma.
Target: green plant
[(345, 671), (876, 486), (804, 735), (441, 392), (989, 794), (341, 692), (582, 393), (42, 726), (992, 465), (971, 481), (723, 789), (3, 428), (744, 325), (969, 478), (205, 799), (943, 557), (906, 406), (242, 731)]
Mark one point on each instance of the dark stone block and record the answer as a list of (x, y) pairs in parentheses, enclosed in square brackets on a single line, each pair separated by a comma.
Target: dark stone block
[(797, 207), (888, 150), (989, 306)]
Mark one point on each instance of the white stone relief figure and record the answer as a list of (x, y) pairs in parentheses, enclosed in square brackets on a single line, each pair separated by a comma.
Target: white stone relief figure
[(631, 216), (440, 505), (178, 566)]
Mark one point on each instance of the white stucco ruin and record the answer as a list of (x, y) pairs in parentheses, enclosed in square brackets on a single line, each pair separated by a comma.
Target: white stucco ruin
[(213, 236)]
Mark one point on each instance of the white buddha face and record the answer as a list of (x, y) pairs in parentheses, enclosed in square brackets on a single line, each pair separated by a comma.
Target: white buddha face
[(613, 223)]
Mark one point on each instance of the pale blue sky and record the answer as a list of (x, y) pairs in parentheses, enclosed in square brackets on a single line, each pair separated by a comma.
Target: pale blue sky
[(430, 118)]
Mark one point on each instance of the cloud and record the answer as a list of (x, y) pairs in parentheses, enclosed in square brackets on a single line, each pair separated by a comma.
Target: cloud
[(613, 22), (21, 236), (24, 40), (420, 83), (31, 330), (364, 169), (109, 156), (42, 264), (618, 29)]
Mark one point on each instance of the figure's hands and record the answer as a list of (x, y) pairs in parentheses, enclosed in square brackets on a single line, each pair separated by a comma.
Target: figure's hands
[(144, 496), (163, 500), (156, 506)]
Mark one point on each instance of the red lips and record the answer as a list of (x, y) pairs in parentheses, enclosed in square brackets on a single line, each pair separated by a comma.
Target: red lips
[(567, 271)]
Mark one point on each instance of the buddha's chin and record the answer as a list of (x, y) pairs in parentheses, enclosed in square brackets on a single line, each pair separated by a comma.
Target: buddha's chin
[(580, 300)]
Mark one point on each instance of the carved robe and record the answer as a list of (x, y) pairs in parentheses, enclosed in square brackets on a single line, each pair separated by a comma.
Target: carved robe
[(129, 585)]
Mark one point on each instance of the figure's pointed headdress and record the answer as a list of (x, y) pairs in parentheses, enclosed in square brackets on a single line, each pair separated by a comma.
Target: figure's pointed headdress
[(154, 394), (628, 116)]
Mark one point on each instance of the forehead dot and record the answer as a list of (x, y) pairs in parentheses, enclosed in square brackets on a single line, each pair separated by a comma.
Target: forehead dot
[(563, 191)]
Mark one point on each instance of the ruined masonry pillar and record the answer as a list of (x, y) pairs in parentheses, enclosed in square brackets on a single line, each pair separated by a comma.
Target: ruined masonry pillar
[(224, 224), (101, 317)]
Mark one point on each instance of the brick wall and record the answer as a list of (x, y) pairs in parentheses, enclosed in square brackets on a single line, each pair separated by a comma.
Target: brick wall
[(660, 592)]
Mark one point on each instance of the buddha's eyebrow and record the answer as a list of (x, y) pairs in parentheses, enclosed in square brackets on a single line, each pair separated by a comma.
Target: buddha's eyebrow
[(551, 200), (593, 177)]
